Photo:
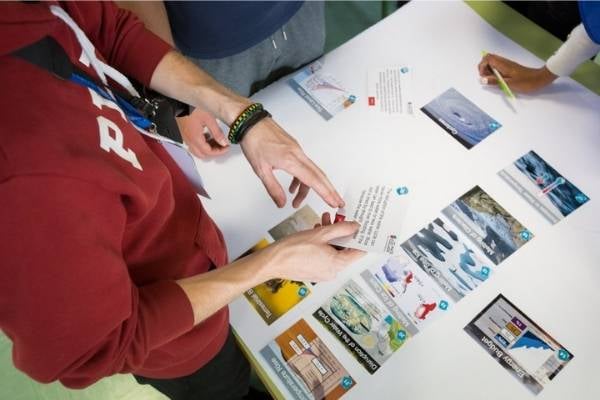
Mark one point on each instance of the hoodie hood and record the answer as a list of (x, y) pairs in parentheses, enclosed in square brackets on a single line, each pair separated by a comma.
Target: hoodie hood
[(23, 23)]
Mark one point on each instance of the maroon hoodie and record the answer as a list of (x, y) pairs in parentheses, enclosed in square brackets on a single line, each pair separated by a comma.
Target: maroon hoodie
[(96, 220)]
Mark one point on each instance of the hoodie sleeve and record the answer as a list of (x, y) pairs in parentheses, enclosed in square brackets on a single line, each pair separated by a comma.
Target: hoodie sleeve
[(67, 301), (120, 37)]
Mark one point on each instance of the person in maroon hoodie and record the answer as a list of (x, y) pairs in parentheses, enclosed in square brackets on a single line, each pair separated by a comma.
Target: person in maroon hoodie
[(109, 262)]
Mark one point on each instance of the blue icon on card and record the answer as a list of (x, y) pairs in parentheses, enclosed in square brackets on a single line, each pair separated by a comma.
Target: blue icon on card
[(302, 291), (485, 271), (401, 335), (346, 382), (563, 355), (525, 235), (444, 305), (402, 190), (581, 198), (404, 70), (389, 319), (352, 98)]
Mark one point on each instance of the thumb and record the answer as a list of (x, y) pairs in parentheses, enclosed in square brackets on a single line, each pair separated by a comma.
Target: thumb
[(346, 257), (215, 131), (338, 230)]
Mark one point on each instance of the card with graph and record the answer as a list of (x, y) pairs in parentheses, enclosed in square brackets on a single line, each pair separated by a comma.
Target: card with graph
[(518, 344)]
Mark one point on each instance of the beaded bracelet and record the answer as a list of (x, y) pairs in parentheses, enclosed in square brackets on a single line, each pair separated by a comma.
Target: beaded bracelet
[(250, 122), (247, 118)]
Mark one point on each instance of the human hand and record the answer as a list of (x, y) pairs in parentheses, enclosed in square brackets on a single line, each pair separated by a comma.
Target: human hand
[(201, 144), (518, 77), (307, 256), (268, 147)]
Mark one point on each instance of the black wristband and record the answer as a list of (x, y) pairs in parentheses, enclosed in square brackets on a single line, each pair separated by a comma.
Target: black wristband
[(250, 122)]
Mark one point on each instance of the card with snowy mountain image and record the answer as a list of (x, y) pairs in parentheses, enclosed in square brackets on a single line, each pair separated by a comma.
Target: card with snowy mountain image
[(369, 331), (410, 294), (449, 258), (517, 343), (487, 224), (543, 187), (462, 119)]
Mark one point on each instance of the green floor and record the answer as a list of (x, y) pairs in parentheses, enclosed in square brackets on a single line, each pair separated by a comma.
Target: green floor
[(344, 20)]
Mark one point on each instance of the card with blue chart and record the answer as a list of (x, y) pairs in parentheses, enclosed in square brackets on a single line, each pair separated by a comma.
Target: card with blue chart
[(518, 344), (461, 118), (449, 257), (487, 224), (546, 190), (401, 283), (321, 90)]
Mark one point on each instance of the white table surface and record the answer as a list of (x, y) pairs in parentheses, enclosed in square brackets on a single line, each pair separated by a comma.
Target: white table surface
[(554, 279)]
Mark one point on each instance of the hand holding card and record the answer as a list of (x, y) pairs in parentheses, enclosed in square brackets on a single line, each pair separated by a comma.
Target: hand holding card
[(380, 210)]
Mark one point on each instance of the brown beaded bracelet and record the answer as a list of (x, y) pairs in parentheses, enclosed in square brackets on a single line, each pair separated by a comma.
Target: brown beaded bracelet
[(238, 128)]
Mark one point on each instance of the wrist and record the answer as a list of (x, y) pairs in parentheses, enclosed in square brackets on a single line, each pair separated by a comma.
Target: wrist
[(224, 104), (244, 122)]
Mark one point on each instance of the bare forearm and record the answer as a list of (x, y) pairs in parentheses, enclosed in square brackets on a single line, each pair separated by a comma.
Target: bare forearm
[(177, 77), (213, 290), (154, 16)]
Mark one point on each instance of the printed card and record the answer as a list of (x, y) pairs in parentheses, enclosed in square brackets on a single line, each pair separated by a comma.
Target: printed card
[(390, 91), (306, 367), (411, 295), (449, 258), (517, 343), (380, 210), (551, 194), (461, 118), (274, 298), (487, 224), (321, 90), (368, 330)]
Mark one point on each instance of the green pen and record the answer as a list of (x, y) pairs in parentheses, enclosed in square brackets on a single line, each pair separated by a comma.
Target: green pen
[(501, 82)]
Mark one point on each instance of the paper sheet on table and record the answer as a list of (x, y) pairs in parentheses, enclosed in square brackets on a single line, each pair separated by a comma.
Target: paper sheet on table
[(380, 211), (390, 91)]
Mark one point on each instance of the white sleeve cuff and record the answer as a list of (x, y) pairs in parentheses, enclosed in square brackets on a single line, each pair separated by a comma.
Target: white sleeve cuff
[(577, 49)]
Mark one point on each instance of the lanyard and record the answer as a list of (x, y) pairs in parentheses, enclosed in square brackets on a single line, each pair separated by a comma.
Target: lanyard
[(176, 150), (133, 115)]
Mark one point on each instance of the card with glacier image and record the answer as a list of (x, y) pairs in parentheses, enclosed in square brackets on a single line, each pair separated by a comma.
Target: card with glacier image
[(547, 191), (450, 258), (487, 224), (517, 343)]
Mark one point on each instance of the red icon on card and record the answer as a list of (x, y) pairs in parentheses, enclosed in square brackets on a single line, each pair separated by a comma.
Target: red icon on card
[(339, 218), (371, 100)]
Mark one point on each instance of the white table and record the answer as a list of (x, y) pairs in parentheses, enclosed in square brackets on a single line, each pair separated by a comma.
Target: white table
[(554, 279)]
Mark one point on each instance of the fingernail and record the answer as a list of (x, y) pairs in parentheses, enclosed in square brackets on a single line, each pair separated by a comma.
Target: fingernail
[(483, 81)]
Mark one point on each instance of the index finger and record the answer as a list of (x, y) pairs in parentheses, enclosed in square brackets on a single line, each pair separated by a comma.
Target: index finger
[(309, 174)]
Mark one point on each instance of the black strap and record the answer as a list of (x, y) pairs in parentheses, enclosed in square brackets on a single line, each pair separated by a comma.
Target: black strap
[(49, 55)]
